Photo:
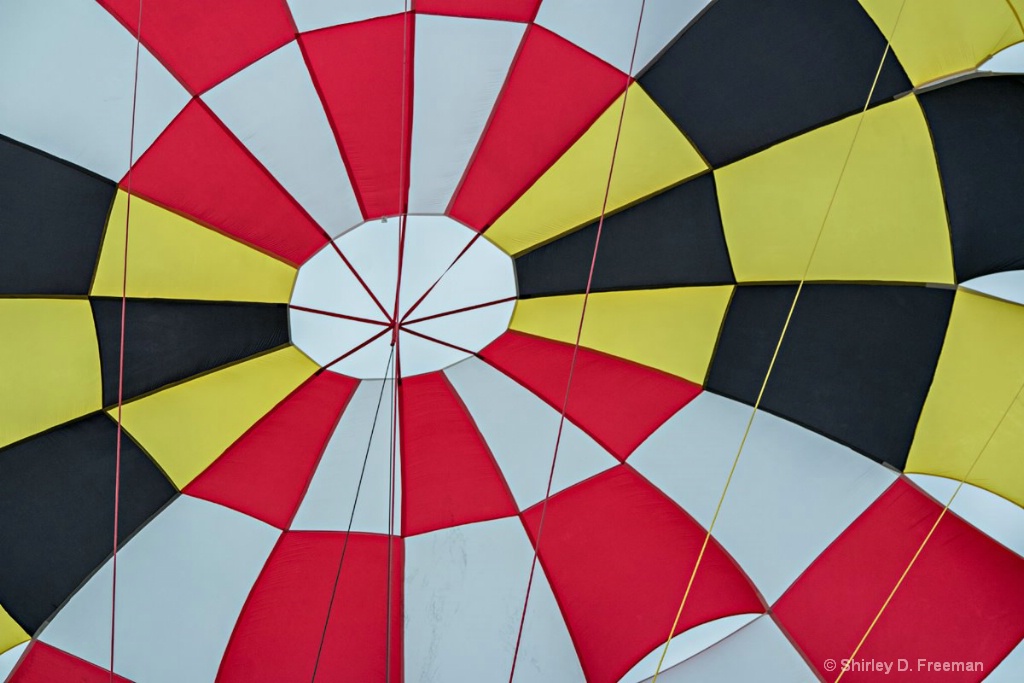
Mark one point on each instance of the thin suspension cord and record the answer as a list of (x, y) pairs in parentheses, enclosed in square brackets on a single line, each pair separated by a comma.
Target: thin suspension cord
[(401, 167), (464, 309), (778, 345), (425, 294), (359, 278), (396, 340), (576, 348), (391, 513), (352, 515), (440, 342), (120, 352), (935, 525), (392, 358), (342, 316), (354, 349)]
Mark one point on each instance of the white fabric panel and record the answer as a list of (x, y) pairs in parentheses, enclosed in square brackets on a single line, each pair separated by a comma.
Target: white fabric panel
[(484, 273), (689, 456), (369, 362), (181, 584), (992, 514), (273, 108), (757, 652), (1008, 61), (1008, 286), (313, 14), (432, 243), (792, 494), (473, 329), (421, 355), (324, 338), (520, 430), (464, 593), (9, 659), (687, 644), (460, 67), (607, 28), (67, 69), (373, 252), (332, 491), (325, 283), (1011, 669)]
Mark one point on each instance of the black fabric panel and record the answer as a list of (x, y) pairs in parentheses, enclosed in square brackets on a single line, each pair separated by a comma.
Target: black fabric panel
[(978, 129), (674, 238), (167, 341), (51, 222), (750, 73), (57, 514), (855, 365), (749, 333)]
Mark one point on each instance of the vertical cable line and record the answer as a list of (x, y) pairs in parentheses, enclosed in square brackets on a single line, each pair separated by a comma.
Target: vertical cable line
[(778, 345), (393, 370), (392, 358), (395, 338), (576, 347), (391, 511), (120, 353), (928, 536), (352, 516)]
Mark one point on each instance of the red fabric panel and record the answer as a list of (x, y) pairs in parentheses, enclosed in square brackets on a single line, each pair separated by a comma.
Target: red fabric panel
[(197, 168), (963, 600), (357, 69), (449, 476), (278, 633), (45, 664), (266, 472), (506, 10), (618, 402), (203, 42), (618, 554), (554, 92)]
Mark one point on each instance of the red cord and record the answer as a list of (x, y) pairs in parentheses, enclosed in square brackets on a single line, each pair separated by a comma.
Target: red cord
[(397, 378), (120, 359), (575, 352)]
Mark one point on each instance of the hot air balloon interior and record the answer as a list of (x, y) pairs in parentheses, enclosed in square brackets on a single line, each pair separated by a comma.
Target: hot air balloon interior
[(604, 341)]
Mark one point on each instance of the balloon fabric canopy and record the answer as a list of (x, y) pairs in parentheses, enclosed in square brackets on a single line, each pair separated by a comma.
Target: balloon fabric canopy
[(531, 340)]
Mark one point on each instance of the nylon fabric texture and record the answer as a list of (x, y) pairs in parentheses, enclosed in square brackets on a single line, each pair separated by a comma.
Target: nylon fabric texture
[(432, 330)]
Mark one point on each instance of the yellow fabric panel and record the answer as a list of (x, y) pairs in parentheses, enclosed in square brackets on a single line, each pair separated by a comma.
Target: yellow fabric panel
[(10, 633), (979, 372), (888, 222), (674, 330), (652, 155), (171, 257), (187, 426), (1017, 7), (49, 365), (936, 38)]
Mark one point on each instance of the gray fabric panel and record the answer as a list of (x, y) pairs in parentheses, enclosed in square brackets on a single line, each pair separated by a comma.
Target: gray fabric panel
[(181, 584), (464, 593), (758, 652)]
